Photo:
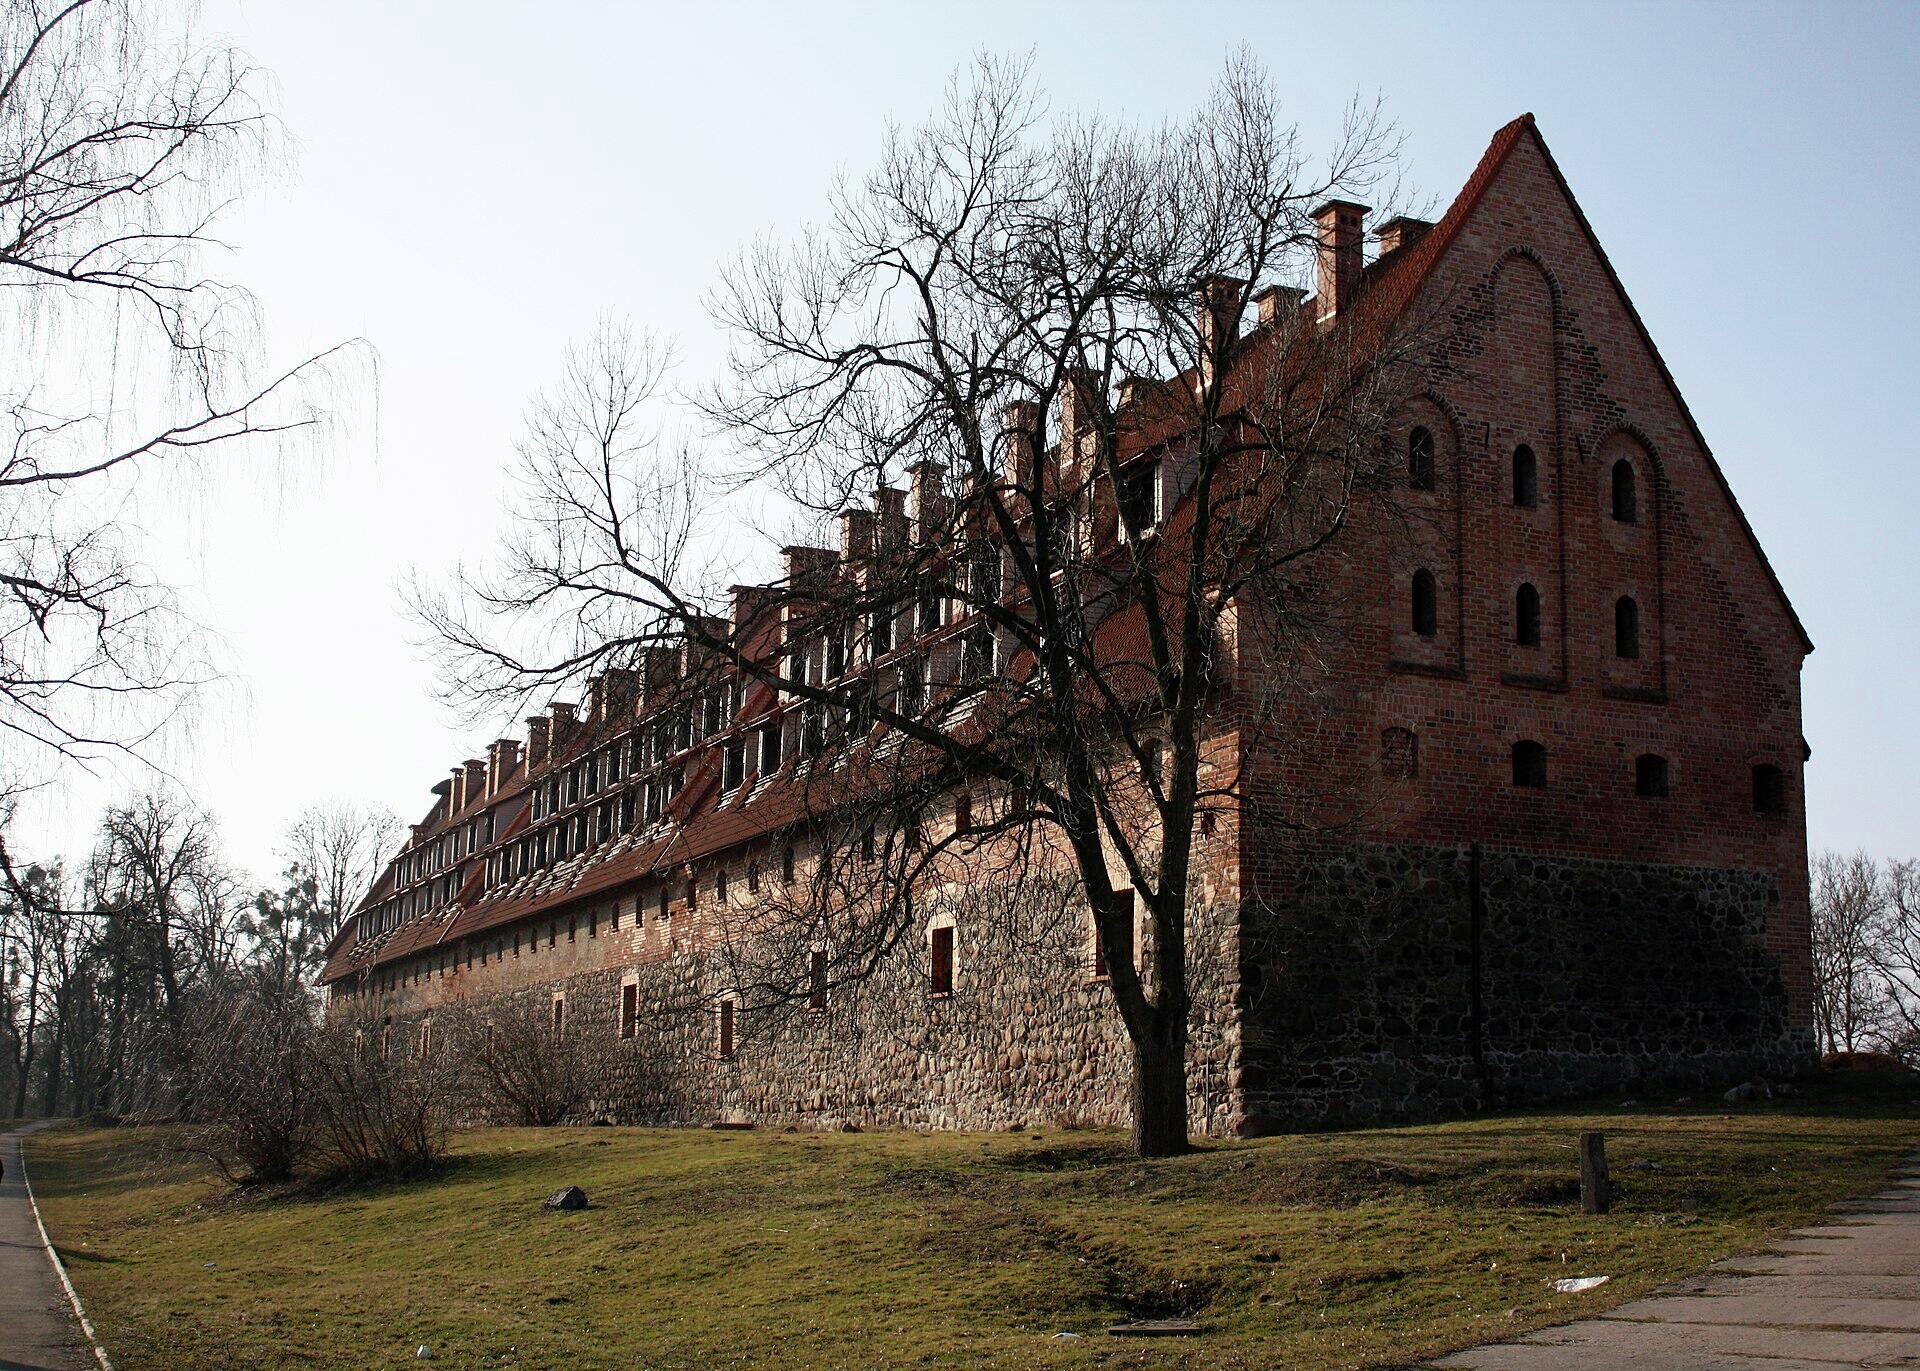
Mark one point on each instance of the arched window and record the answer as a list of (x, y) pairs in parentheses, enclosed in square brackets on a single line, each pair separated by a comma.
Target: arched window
[(1426, 604), (1526, 616), (1526, 478), (1626, 500), (1420, 459), (1769, 789), (1530, 765), (1626, 627), (1650, 776)]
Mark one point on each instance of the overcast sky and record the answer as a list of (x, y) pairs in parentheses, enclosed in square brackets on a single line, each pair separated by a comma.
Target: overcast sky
[(474, 183)]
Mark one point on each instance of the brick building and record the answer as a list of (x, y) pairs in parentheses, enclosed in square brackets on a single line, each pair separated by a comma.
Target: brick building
[(1575, 681)]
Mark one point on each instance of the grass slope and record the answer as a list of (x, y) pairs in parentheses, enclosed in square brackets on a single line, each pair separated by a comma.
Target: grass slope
[(764, 1249)]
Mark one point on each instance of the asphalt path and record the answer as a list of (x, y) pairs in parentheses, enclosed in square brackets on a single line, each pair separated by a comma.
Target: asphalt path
[(37, 1327)]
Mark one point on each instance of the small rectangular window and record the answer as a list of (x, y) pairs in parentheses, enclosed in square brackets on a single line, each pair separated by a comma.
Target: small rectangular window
[(726, 1029), (629, 1010), (817, 980), (941, 955), (1124, 902), (559, 1017)]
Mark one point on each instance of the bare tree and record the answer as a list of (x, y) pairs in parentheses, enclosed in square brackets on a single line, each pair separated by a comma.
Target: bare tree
[(1848, 904), (340, 848), (252, 1073), (1120, 518), (383, 1109), (121, 141), (1894, 953)]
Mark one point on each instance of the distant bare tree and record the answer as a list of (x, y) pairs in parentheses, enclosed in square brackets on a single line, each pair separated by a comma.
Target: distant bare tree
[(1848, 903), (1894, 952), (1002, 311), (121, 140), (340, 848)]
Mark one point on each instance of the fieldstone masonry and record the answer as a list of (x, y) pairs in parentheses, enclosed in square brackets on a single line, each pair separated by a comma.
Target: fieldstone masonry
[(1407, 982)]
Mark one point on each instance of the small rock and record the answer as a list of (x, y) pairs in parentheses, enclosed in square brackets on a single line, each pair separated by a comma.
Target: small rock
[(1739, 1094), (422, 1352), (573, 1197)]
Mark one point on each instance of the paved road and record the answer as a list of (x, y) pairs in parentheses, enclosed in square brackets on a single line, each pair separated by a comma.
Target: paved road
[(37, 1330), (1846, 1293)]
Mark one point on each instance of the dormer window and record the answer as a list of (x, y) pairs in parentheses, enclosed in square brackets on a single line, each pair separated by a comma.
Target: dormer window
[(1140, 497)]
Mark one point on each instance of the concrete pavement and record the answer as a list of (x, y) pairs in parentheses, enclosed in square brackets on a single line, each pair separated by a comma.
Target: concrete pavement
[(37, 1329), (1843, 1294)]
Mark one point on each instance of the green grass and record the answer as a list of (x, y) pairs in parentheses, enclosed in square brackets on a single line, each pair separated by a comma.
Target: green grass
[(769, 1248)]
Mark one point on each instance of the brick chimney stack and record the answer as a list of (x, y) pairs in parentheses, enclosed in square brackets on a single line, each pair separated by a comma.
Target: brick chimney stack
[(537, 735), (927, 502), (890, 511), (1401, 231), (1343, 227), (565, 720), (1278, 302), (856, 535), (476, 780), (457, 792), (502, 759)]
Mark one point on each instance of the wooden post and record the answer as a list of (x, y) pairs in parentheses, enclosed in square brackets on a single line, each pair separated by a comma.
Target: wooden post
[(1596, 1193)]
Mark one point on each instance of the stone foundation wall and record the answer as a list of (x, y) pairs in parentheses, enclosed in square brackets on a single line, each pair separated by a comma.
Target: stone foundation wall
[(1409, 982), (1027, 1036)]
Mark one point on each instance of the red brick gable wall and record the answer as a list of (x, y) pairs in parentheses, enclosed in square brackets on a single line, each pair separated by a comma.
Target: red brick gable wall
[(1550, 354)]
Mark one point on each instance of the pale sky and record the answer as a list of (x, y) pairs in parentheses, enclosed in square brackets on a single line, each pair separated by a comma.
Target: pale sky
[(475, 183)]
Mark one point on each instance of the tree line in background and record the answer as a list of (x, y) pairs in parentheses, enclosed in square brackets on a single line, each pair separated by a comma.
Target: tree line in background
[(1866, 954), (110, 971)]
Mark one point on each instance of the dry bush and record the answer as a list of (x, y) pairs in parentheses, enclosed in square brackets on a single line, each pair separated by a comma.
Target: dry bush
[(255, 1081), (383, 1110)]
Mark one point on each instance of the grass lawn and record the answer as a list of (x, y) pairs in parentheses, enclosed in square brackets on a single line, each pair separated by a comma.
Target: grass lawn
[(900, 1249)]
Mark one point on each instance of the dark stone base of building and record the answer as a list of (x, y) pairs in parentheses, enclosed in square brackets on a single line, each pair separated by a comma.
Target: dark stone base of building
[(1392, 983), (1408, 983)]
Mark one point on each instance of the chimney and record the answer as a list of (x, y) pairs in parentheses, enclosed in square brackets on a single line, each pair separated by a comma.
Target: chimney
[(457, 791), (444, 790), (476, 782), (565, 719), (1217, 311), (1019, 442), (1342, 231), (1077, 416), (502, 758), (807, 567), (619, 692), (1401, 231), (536, 742), (856, 535), (928, 502), (1278, 302), (889, 518), (596, 703)]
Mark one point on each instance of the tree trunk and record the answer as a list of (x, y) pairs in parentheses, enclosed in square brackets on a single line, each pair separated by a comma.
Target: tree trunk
[(1160, 1089)]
